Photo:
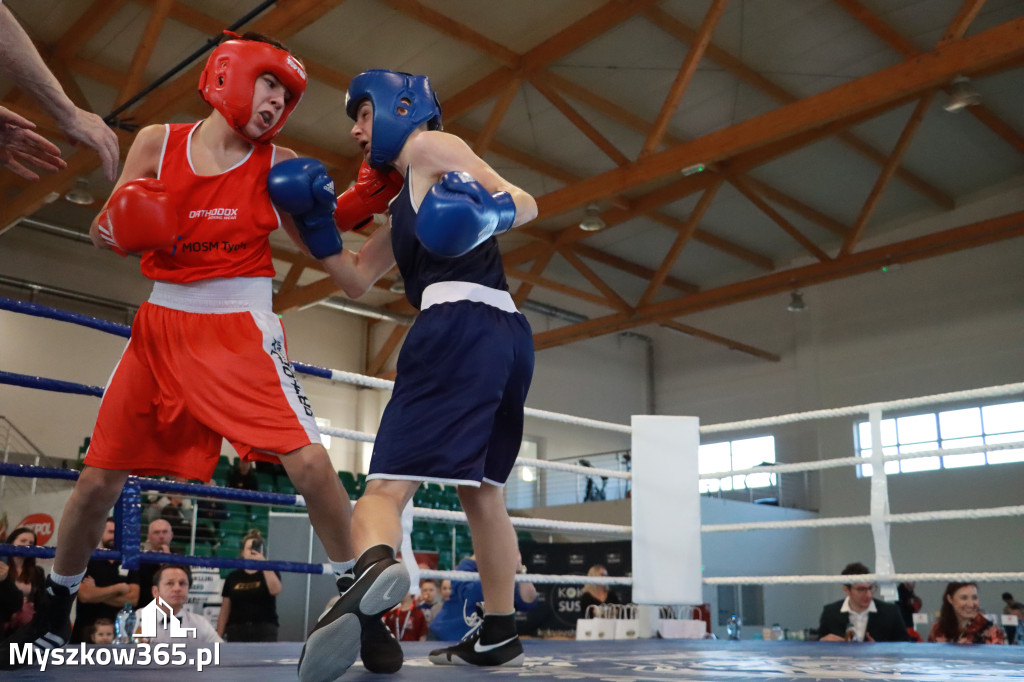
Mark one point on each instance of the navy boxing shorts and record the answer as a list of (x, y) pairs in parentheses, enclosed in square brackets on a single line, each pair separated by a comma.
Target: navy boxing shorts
[(456, 413)]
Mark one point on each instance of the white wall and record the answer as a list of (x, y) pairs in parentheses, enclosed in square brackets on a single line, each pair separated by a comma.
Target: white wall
[(940, 325)]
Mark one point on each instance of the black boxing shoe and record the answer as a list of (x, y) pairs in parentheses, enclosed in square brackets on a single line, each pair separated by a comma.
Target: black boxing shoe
[(380, 651), (378, 647), (50, 628), (494, 643), (380, 582)]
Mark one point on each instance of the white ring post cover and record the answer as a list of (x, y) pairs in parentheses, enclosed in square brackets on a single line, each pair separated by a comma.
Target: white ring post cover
[(666, 511)]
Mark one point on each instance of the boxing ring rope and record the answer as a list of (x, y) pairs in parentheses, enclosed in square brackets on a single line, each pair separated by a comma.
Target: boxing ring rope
[(279, 499)]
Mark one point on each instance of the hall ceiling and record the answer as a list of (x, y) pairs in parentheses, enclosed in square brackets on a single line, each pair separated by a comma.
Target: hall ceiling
[(820, 124)]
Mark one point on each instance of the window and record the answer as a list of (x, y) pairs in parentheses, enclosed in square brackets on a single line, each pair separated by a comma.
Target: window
[(738, 454), (957, 428), (522, 487)]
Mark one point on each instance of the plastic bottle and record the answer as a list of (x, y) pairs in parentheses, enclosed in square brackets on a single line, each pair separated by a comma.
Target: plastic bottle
[(1020, 632), (777, 635), (733, 627), (124, 624)]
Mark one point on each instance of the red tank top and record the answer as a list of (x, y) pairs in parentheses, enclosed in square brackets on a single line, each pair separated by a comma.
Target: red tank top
[(225, 219)]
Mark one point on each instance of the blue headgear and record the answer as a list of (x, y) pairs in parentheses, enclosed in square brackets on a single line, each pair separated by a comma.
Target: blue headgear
[(401, 103)]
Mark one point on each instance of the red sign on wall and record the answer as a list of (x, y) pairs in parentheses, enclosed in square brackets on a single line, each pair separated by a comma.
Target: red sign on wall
[(41, 525)]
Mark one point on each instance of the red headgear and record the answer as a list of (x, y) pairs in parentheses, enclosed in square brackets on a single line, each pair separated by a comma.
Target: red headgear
[(229, 80)]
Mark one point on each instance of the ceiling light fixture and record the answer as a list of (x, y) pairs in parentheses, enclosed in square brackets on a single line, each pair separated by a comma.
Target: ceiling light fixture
[(80, 193), (592, 220), (796, 302), (961, 95), (694, 169)]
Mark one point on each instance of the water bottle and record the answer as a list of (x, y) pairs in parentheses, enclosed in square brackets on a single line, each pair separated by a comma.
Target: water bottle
[(124, 624), (733, 627), (1020, 632), (777, 635)]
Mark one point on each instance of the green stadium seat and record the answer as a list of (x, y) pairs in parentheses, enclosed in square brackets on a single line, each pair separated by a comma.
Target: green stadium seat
[(349, 481)]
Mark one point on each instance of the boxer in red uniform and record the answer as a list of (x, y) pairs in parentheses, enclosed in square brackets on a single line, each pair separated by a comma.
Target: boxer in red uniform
[(207, 358)]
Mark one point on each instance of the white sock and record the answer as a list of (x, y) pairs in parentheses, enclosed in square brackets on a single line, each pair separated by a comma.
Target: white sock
[(342, 567), (70, 582)]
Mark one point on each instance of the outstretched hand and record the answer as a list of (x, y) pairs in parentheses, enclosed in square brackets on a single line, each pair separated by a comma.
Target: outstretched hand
[(20, 143), (87, 128)]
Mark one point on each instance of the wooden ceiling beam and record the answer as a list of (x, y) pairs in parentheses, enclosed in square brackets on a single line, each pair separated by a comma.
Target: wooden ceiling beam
[(614, 301), (736, 67), (486, 135), (883, 178), (133, 80), (86, 26), (533, 278), (457, 30), (374, 366), (582, 124), (914, 77), (936, 244), (752, 196), (630, 267), (721, 340), (682, 237), (801, 209), (529, 279), (685, 75), (603, 19), (959, 25)]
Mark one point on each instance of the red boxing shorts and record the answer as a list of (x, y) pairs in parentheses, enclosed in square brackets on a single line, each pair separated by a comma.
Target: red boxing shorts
[(206, 360)]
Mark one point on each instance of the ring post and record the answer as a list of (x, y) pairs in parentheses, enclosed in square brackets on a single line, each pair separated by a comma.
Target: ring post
[(127, 517), (666, 515)]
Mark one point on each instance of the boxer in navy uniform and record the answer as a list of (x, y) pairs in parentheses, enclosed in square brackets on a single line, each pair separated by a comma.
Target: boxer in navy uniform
[(456, 414)]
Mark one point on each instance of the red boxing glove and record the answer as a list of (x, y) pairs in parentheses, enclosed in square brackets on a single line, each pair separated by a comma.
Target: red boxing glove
[(371, 194), (139, 217)]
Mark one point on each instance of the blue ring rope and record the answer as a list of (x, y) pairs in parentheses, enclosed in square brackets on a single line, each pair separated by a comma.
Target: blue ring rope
[(37, 310), (188, 489), (123, 330), (129, 511)]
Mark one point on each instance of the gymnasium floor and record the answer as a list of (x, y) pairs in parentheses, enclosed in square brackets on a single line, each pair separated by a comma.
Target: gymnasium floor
[(640, 660)]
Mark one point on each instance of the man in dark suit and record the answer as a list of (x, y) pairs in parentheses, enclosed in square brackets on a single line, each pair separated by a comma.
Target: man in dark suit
[(860, 617)]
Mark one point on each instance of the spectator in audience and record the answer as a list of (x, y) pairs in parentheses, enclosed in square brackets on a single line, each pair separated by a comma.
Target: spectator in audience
[(908, 602), (597, 595), (406, 622), (24, 575), (102, 631), (158, 539), (1012, 605), (860, 617), (427, 598), (172, 583), (242, 476), (11, 599), (961, 621), (1012, 608), (248, 612), (459, 614), (103, 590)]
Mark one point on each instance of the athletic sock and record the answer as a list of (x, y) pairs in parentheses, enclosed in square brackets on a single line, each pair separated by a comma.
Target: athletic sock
[(71, 582), (498, 627)]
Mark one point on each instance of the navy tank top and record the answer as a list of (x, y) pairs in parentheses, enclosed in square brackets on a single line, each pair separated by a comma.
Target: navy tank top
[(420, 268)]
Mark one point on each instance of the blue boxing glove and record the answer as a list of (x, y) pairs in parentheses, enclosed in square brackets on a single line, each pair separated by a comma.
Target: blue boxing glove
[(303, 189), (458, 213)]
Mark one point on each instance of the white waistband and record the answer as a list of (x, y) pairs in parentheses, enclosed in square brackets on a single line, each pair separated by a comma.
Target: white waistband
[(447, 292), (232, 295)]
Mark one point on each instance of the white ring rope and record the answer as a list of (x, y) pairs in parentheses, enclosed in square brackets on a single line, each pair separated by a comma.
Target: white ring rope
[(867, 577), (858, 461), (745, 580), (578, 421), (577, 468), (528, 523), (910, 517), (970, 394), (373, 382)]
